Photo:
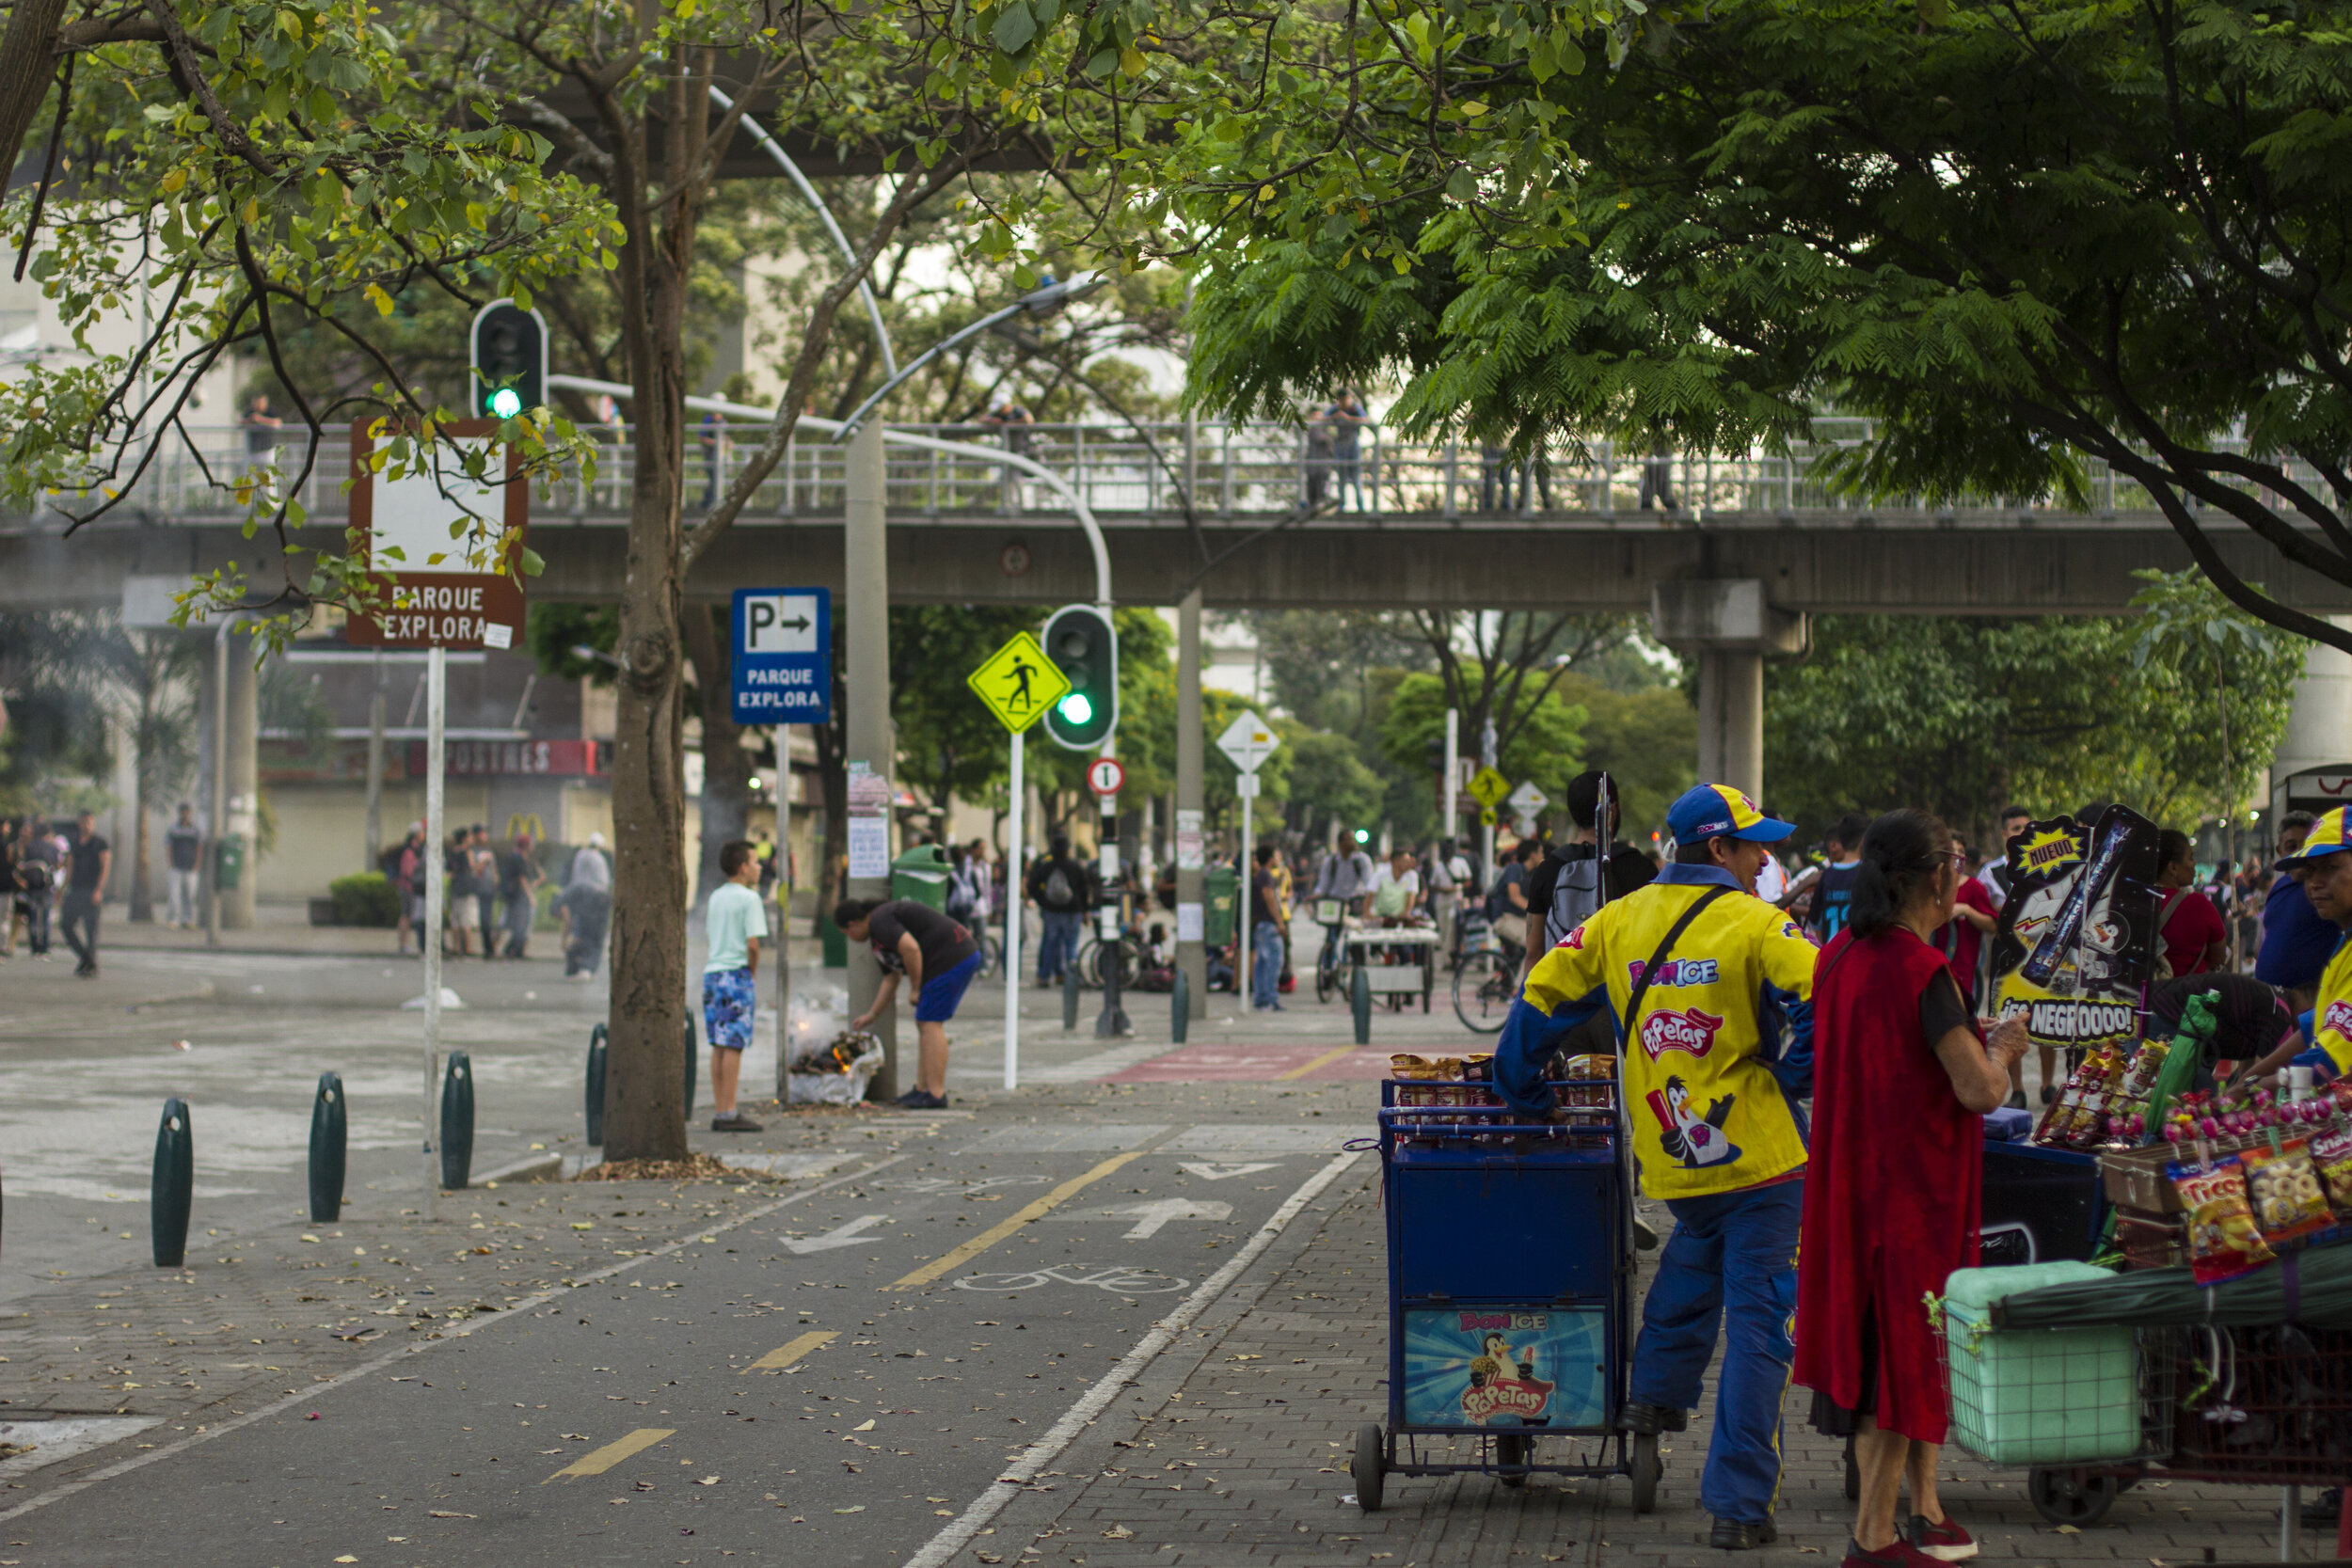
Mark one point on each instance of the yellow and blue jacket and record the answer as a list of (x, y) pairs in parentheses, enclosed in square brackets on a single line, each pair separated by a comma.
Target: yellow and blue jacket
[(1715, 1067)]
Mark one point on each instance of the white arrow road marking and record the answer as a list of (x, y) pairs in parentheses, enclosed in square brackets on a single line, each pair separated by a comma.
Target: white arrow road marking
[(844, 1235), (1149, 1217), (1209, 1170)]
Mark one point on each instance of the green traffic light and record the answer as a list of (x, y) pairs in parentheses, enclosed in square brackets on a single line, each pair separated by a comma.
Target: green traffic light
[(1363, 836), (1075, 708), (506, 403)]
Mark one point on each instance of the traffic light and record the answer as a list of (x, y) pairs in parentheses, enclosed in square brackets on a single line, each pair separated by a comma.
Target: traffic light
[(510, 360), (1080, 642)]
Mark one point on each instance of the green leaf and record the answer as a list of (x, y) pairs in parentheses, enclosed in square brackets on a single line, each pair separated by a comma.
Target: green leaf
[(1015, 26)]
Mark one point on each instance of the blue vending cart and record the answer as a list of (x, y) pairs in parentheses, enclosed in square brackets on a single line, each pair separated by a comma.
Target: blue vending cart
[(1510, 1290)]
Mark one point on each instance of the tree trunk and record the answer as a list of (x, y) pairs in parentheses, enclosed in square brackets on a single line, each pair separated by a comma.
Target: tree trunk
[(727, 767), (27, 64), (142, 891)]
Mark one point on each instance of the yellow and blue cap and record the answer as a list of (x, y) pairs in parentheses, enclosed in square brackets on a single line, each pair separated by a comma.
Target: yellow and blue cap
[(2330, 835), (1719, 811)]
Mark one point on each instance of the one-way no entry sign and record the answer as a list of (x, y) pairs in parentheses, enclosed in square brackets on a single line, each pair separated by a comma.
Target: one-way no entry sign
[(783, 671)]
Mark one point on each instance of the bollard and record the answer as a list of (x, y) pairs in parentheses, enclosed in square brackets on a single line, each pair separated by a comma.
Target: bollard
[(689, 1067), (330, 1136), (1070, 994), (457, 1122), (1180, 1006), (175, 1184), (1359, 1002), (595, 1087)]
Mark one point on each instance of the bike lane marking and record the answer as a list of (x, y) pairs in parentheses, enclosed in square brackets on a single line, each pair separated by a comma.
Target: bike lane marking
[(597, 1461), (792, 1352), (1010, 1223), (1324, 1060)]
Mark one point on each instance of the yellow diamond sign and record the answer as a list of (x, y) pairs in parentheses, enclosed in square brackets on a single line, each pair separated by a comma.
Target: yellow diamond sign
[(1019, 683), (1487, 787)]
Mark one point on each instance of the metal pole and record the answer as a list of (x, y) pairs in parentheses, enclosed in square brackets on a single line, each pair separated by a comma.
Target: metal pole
[(1013, 869), (1487, 833), (1191, 842), (376, 768), (220, 783), (436, 726), (1245, 918), (1452, 773), (783, 913), (867, 569)]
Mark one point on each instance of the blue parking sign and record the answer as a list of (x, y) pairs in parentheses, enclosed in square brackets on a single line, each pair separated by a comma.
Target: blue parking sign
[(783, 656)]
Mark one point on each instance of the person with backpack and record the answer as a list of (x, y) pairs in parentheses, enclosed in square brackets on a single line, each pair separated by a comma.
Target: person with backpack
[(1566, 886), (402, 865), (1059, 886), (1713, 991), (38, 860)]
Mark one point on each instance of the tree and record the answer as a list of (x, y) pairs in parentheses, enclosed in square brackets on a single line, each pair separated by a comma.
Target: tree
[(1329, 784), (156, 675), (2033, 238), (1546, 745)]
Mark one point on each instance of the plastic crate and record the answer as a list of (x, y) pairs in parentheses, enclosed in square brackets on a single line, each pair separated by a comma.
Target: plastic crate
[(2043, 1396)]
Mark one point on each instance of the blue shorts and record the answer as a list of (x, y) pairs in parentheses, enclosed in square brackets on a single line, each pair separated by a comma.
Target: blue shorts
[(943, 993), (730, 1000)]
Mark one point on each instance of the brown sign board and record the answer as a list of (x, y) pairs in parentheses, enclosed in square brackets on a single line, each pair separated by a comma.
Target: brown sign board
[(463, 600)]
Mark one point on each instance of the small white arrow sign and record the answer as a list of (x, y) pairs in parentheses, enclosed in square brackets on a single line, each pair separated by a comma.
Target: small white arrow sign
[(1209, 1170), (1149, 1217), (844, 1235)]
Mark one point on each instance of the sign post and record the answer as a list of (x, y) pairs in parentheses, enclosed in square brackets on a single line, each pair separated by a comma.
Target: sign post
[(782, 674), (474, 600), (1018, 683), (1247, 741), (1105, 777)]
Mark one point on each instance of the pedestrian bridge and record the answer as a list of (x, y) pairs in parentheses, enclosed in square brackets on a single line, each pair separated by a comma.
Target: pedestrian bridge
[(1402, 523)]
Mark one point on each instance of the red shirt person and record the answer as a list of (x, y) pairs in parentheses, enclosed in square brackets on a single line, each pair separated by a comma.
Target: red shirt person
[(2194, 940), (1973, 917), (1901, 1082)]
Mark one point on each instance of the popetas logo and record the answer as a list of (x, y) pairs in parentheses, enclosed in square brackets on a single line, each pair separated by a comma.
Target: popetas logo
[(1689, 1030), (2339, 1018)]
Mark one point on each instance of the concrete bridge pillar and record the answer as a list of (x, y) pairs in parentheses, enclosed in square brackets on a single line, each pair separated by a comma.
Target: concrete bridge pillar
[(1727, 627), (241, 776), (2319, 723)]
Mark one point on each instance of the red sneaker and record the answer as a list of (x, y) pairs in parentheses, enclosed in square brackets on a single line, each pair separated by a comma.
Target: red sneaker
[(1902, 1553), (1947, 1541)]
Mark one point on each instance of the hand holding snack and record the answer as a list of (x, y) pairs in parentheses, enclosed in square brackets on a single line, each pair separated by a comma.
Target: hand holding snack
[(2007, 1040)]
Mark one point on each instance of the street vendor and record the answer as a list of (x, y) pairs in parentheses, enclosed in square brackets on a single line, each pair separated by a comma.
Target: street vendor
[(1718, 1048), (2323, 868)]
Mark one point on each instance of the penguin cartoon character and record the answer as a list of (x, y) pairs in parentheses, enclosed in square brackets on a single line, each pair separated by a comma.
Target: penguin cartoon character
[(1694, 1140)]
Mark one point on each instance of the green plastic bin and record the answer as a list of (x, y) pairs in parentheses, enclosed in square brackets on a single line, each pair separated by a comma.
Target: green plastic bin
[(228, 862), (2039, 1396), (1219, 888), (921, 874)]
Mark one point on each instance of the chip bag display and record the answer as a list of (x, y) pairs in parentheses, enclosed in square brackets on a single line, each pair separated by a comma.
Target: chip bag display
[(2223, 1240), (2332, 1152), (2283, 1188)]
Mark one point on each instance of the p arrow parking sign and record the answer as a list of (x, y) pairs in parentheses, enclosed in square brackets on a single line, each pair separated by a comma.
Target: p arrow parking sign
[(783, 666)]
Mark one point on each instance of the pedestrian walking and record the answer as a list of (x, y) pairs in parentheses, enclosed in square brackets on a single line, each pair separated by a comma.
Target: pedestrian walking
[(457, 865), (482, 864), (1268, 915), (7, 887), (38, 862), (938, 959), (734, 923), (1059, 887), (1891, 1201), (1317, 457), (1506, 907), (89, 859), (1347, 417), (1712, 989), (183, 849), (404, 866), (518, 890), (587, 909)]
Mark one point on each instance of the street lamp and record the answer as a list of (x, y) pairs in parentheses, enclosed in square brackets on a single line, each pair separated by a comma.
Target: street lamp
[(1038, 303)]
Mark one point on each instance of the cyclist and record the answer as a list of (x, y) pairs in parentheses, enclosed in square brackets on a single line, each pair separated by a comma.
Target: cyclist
[(1713, 990), (1343, 882), (1506, 907)]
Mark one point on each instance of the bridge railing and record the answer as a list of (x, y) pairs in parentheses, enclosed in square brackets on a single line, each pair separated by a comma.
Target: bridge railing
[(1232, 471)]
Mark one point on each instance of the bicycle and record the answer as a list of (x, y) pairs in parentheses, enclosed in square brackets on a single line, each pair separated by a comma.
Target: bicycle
[(1332, 973), (1090, 962), (1485, 977)]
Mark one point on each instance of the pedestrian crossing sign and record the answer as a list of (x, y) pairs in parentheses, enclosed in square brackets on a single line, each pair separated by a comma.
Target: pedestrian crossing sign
[(1488, 786), (1019, 683)]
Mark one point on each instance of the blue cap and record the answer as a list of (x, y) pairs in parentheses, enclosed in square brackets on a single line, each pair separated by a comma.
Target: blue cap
[(1719, 811)]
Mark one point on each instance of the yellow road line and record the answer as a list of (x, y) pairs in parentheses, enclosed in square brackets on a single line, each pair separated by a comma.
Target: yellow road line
[(777, 1360), (1011, 1223), (1328, 1057), (603, 1459)]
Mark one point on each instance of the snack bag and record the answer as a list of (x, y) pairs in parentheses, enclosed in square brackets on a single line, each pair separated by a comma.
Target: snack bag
[(2223, 1240), (2089, 1124), (2140, 1078), (2061, 1114), (2282, 1187), (2332, 1152)]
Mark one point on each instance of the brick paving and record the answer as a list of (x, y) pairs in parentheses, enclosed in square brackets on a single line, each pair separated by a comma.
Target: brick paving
[(1237, 1451)]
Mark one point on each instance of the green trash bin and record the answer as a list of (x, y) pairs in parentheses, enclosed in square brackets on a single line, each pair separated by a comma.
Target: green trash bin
[(227, 862), (1218, 889), (833, 942), (921, 874)]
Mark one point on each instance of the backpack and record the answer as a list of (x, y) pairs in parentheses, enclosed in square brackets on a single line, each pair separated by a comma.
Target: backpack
[(963, 897), (389, 862), (1057, 887), (1575, 896)]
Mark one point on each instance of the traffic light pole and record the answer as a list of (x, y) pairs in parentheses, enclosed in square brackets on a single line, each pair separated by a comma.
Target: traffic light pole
[(1110, 921)]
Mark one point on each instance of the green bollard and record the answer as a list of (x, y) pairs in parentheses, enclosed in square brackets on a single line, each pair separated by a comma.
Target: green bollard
[(175, 1184), (1359, 1002), (595, 1087), (330, 1136), (457, 1122), (1180, 1006), (1070, 995), (689, 1067)]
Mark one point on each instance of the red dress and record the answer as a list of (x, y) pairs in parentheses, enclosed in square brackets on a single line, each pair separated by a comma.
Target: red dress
[(1892, 1186)]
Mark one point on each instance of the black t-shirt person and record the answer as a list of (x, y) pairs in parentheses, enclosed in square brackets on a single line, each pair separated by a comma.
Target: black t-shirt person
[(943, 941), (89, 860), (1629, 869)]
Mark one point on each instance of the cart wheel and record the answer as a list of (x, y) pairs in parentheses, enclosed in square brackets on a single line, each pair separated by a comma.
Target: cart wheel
[(1368, 1467), (1646, 1470), (1854, 1475), (1509, 1453), (2070, 1497)]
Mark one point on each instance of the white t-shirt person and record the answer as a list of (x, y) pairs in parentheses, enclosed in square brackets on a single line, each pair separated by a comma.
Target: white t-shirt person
[(1392, 894)]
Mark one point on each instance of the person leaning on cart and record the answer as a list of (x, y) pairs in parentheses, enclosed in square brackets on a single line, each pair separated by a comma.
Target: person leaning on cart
[(1901, 1081), (1718, 1052), (2323, 868)]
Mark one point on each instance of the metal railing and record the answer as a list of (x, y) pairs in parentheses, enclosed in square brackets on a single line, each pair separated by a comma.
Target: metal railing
[(1253, 471)]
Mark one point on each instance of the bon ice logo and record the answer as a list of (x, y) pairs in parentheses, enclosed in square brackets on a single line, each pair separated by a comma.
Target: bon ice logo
[(1689, 1030), (1677, 971)]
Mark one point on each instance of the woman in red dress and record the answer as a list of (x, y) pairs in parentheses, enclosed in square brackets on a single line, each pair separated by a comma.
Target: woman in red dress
[(1901, 1081)]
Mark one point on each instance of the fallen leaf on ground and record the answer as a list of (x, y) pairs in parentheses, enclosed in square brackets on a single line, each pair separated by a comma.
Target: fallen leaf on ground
[(439, 1513), (2068, 1529), (1118, 1532), (853, 1508), (862, 1426)]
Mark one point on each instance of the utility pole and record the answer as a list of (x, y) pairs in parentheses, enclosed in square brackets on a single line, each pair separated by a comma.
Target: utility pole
[(867, 562), (1191, 950)]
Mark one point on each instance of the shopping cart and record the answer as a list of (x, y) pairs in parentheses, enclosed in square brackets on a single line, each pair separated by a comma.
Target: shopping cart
[(1510, 1290)]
